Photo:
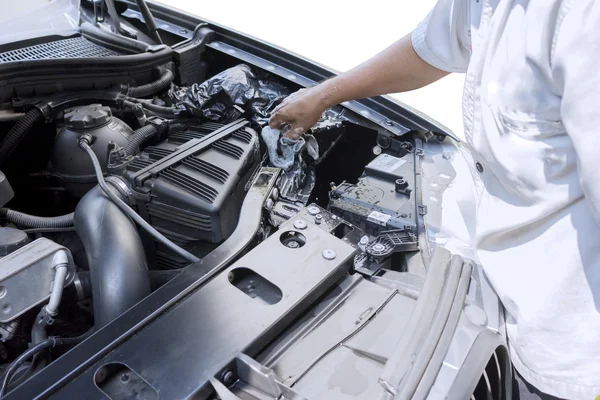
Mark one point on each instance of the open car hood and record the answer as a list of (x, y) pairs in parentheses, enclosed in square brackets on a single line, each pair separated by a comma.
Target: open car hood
[(36, 18)]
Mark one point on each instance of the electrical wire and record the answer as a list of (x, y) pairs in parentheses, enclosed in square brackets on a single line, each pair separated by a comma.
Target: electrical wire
[(84, 145), (50, 230), (27, 354)]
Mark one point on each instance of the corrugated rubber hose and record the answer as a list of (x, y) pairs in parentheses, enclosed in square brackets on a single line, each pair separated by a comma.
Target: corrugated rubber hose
[(18, 132), (153, 87), (33, 221), (138, 138)]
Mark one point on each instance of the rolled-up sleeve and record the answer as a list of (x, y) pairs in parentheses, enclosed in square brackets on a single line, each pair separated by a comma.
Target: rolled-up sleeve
[(442, 39), (575, 61)]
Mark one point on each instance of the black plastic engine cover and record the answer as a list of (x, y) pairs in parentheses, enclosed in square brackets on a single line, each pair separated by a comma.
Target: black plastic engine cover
[(191, 186)]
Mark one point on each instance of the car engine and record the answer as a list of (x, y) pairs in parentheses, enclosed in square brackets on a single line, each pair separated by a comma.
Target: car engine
[(113, 186)]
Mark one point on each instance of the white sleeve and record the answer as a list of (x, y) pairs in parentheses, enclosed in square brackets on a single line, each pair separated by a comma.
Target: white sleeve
[(442, 38), (575, 59)]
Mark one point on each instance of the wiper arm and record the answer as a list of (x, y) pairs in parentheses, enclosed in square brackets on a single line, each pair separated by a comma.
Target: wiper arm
[(149, 20)]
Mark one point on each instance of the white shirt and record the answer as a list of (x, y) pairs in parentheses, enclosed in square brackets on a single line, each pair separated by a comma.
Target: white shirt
[(532, 118)]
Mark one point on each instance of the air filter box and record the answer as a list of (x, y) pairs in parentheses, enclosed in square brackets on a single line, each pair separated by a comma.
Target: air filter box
[(191, 186)]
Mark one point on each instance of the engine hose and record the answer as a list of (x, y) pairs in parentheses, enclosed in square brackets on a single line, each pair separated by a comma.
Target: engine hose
[(33, 221), (18, 132), (27, 354), (161, 111), (139, 137), (84, 144), (153, 87), (115, 255), (47, 313)]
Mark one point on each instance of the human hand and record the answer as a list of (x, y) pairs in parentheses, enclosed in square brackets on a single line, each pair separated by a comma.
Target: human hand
[(300, 111)]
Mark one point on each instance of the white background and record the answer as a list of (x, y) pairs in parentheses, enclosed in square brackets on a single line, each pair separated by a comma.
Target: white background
[(338, 34), (335, 33)]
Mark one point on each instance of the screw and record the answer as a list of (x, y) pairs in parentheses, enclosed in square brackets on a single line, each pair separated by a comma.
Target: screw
[(404, 215), (364, 240), (479, 167), (329, 254), (378, 247), (292, 244), (184, 31), (300, 224), (313, 210), (228, 377), (377, 150), (318, 219), (388, 122)]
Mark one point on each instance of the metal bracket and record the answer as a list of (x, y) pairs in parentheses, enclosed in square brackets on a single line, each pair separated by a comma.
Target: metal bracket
[(255, 379)]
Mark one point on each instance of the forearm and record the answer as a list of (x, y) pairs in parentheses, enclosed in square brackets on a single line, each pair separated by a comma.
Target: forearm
[(398, 68)]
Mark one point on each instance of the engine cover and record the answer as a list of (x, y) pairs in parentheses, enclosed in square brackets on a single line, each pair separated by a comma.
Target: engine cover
[(191, 186)]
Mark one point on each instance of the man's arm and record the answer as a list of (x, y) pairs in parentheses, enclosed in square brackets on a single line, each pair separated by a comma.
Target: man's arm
[(396, 69), (574, 60), (439, 45)]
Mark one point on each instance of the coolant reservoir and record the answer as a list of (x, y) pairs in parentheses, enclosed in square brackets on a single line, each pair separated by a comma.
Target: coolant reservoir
[(68, 162)]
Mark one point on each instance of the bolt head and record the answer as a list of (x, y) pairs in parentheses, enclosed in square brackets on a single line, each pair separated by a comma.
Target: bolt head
[(364, 240), (313, 210), (378, 247), (300, 224), (329, 254), (228, 377)]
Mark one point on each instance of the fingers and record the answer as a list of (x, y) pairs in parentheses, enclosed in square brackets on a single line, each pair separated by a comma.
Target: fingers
[(277, 120), (295, 132)]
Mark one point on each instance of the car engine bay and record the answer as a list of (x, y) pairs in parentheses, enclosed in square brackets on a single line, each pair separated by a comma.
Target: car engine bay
[(116, 181)]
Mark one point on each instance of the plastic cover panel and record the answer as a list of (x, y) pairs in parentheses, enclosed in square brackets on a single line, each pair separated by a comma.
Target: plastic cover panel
[(194, 198)]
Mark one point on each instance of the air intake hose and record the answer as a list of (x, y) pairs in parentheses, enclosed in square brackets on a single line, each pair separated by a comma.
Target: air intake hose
[(118, 268), (153, 87), (18, 132)]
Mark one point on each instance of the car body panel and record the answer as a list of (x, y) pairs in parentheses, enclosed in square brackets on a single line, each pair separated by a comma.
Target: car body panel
[(466, 340)]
